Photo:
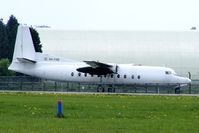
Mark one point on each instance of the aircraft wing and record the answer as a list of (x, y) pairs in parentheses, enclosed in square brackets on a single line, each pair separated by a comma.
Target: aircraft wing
[(96, 68), (95, 64)]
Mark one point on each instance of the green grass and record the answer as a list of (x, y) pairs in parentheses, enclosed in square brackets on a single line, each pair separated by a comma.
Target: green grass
[(28, 113)]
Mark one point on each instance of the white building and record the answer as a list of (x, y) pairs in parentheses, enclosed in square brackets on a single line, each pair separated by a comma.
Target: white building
[(176, 49)]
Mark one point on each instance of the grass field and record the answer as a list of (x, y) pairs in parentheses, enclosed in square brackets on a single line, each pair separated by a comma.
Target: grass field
[(35, 112)]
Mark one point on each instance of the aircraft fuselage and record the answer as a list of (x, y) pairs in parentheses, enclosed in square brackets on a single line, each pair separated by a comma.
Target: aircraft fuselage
[(127, 74)]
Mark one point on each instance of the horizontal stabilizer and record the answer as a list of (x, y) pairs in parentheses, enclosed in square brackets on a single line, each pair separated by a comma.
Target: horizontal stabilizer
[(25, 60)]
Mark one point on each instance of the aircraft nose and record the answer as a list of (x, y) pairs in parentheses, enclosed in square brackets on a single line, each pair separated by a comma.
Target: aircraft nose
[(187, 80), (184, 80)]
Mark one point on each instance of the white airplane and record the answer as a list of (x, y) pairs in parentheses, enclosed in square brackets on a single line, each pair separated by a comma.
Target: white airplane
[(27, 61)]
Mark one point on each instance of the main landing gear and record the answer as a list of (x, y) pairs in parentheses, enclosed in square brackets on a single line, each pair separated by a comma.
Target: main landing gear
[(111, 89), (100, 88)]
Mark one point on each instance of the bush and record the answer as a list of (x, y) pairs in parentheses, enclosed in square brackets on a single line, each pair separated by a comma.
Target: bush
[(4, 64)]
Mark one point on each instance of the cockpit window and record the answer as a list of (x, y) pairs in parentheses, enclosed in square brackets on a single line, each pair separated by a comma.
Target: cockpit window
[(167, 72)]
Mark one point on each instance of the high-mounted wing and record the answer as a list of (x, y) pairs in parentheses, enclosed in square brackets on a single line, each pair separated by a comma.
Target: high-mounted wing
[(95, 64), (96, 68)]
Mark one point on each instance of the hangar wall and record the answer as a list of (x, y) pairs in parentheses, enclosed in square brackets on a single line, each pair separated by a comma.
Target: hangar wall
[(176, 49)]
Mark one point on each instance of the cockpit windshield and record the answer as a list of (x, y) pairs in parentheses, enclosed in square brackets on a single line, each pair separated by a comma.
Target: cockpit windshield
[(168, 72)]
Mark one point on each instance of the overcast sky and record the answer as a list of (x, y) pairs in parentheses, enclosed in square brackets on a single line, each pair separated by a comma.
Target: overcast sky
[(105, 14)]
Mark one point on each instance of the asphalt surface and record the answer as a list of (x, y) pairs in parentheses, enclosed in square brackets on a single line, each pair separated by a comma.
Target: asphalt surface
[(97, 93)]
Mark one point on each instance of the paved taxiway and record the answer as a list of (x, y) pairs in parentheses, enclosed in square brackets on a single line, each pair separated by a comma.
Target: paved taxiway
[(97, 93)]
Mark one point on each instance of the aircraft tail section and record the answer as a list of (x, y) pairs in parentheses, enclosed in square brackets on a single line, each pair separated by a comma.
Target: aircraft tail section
[(24, 47), (24, 51)]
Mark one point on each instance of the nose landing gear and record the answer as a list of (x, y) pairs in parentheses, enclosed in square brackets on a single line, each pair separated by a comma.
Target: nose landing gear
[(177, 90)]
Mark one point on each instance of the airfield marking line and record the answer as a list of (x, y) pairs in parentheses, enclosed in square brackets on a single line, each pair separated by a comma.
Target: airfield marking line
[(98, 93)]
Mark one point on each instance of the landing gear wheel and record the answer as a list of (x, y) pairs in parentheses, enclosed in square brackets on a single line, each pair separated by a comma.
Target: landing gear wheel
[(177, 90), (100, 89), (111, 89)]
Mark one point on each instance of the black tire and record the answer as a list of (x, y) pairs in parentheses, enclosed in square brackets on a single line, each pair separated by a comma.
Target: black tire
[(177, 90), (111, 89), (100, 89)]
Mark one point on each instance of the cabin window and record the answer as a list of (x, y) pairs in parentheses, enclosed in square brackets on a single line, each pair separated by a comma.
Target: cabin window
[(167, 72), (79, 74), (125, 76), (118, 76), (85, 74), (72, 74), (91, 75), (132, 76), (104, 76), (138, 76), (111, 75)]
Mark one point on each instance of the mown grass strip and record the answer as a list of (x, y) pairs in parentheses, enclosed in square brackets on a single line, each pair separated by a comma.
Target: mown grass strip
[(36, 112)]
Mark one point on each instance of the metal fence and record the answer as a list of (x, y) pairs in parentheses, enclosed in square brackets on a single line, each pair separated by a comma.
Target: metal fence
[(27, 83)]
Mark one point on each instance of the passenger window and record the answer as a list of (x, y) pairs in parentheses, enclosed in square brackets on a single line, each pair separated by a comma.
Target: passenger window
[(138, 76), (72, 74), (132, 76), (79, 74), (118, 76), (91, 75), (125, 76), (104, 76), (85, 74), (111, 75)]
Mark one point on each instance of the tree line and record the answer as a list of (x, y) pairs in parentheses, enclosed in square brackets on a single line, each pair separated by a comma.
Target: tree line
[(8, 34)]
